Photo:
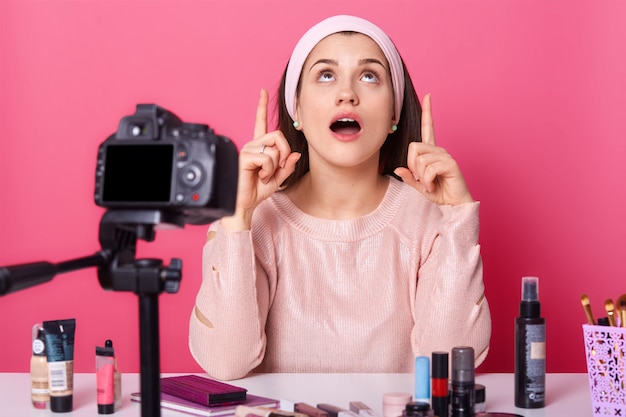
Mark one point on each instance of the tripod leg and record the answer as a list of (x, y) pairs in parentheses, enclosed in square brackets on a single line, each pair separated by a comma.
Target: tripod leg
[(149, 355)]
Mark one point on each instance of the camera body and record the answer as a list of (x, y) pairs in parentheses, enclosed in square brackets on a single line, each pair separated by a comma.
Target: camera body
[(155, 161)]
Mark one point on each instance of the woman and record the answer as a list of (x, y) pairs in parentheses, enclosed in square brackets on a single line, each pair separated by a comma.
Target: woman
[(354, 244)]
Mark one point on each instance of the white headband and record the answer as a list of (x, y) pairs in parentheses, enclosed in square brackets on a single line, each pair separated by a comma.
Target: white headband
[(335, 24)]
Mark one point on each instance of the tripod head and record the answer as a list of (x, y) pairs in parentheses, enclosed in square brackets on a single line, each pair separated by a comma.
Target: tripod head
[(119, 232)]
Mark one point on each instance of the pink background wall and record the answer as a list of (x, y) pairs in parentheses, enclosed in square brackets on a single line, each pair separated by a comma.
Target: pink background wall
[(528, 96)]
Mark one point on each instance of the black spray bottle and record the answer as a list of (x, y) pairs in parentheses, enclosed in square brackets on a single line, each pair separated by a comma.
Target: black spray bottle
[(462, 385), (530, 348)]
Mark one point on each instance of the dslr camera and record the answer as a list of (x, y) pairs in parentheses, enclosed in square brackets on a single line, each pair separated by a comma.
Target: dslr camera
[(155, 161)]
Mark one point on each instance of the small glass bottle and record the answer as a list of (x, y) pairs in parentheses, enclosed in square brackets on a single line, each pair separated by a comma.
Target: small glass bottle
[(39, 389)]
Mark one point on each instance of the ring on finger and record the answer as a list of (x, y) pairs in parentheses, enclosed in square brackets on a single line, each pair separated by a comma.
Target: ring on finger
[(261, 148)]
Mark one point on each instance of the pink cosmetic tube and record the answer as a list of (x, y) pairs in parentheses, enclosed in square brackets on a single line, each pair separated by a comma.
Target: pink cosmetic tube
[(105, 379)]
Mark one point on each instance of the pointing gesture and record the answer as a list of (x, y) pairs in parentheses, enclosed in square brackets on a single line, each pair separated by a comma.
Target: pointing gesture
[(264, 163), (430, 169)]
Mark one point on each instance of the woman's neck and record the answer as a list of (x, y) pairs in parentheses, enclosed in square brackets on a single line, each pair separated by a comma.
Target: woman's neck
[(339, 197)]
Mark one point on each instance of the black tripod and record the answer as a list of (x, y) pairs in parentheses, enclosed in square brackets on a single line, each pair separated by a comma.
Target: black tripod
[(118, 270)]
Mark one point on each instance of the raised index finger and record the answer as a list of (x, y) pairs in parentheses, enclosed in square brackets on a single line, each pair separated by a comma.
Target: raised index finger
[(260, 124), (428, 128)]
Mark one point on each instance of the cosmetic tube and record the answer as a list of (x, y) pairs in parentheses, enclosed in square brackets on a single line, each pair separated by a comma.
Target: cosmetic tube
[(105, 379), (422, 379), (440, 390), (530, 348), (462, 397), (59, 337), (39, 390)]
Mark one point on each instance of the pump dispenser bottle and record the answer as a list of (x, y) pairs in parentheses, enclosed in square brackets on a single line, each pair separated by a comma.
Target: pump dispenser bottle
[(462, 385), (530, 348)]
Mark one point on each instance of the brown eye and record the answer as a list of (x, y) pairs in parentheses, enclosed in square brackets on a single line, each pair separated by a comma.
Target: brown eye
[(325, 76), (370, 77)]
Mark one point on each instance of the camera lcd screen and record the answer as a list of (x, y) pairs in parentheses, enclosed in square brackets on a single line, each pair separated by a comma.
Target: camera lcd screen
[(138, 173)]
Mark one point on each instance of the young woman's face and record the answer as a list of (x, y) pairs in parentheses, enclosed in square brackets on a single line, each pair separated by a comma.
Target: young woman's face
[(345, 105)]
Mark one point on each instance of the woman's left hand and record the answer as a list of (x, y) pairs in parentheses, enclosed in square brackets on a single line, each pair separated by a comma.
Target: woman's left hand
[(431, 169)]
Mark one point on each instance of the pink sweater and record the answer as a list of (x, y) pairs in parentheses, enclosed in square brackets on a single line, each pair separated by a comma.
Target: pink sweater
[(302, 294)]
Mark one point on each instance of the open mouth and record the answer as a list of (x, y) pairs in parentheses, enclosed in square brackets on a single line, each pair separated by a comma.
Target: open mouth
[(346, 126)]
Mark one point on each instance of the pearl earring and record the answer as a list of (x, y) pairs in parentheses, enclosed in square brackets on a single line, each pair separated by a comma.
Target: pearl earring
[(296, 124), (394, 127)]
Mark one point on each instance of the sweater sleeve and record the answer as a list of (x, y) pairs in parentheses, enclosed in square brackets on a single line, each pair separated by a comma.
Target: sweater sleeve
[(226, 328), (450, 305)]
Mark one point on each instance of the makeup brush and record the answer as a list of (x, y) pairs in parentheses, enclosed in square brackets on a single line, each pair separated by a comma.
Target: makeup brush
[(610, 311), (584, 299), (621, 308)]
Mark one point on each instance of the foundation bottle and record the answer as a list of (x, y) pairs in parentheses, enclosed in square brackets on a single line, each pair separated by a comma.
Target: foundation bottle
[(39, 389)]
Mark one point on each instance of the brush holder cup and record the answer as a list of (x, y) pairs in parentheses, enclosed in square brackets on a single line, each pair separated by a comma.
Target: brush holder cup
[(605, 349)]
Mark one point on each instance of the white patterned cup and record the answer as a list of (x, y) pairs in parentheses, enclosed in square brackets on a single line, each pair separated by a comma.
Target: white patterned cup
[(605, 349)]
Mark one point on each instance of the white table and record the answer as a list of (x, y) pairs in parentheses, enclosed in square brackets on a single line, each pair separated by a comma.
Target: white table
[(567, 394)]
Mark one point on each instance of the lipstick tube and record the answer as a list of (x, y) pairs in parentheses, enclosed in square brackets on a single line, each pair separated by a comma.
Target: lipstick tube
[(440, 389)]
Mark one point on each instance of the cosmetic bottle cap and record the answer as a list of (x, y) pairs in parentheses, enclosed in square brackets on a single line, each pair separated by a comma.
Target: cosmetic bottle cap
[(479, 393), (530, 289), (61, 404), (39, 346), (417, 409), (529, 307), (463, 364), (422, 378), (106, 408), (107, 350), (440, 365)]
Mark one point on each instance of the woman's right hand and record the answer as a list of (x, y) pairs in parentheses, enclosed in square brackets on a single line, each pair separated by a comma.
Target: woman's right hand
[(264, 163)]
